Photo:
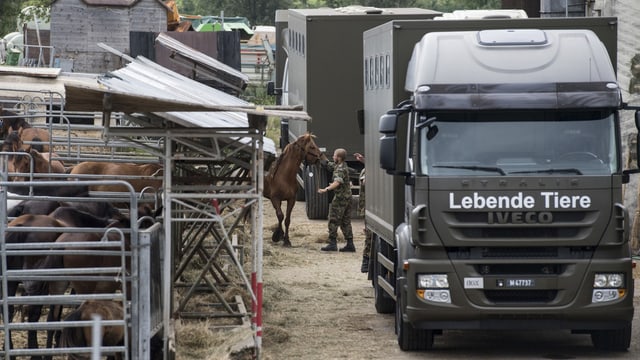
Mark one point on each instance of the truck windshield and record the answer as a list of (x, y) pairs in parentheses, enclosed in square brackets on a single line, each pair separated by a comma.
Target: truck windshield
[(499, 144)]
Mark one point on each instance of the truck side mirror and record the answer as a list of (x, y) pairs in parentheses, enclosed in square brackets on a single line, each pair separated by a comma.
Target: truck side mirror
[(272, 90), (388, 142)]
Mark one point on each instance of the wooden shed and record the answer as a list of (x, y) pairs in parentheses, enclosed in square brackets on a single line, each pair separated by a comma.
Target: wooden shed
[(77, 26)]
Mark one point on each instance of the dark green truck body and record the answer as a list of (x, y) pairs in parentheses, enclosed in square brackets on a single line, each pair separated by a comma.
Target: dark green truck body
[(494, 178)]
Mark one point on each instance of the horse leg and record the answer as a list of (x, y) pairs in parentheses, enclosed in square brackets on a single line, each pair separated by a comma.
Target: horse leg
[(287, 221), (55, 314), (34, 311), (12, 289), (277, 234)]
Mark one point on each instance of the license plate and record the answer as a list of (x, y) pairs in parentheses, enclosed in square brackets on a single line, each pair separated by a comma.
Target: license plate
[(520, 283)]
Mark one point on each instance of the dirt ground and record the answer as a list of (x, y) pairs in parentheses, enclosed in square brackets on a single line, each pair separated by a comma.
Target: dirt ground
[(318, 305)]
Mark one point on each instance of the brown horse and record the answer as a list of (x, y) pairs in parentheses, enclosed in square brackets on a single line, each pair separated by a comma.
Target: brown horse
[(103, 215), (112, 170), (31, 288), (280, 182), (81, 336), (13, 143), (12, 122), (42, 164)]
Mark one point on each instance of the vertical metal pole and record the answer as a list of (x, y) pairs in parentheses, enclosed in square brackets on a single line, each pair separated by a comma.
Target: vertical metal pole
[(96, 337), (3, 248), (167, 267), (144, 298), (256, 276)]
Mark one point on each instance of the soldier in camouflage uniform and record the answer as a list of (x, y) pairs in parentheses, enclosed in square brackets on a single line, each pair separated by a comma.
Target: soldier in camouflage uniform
[(340, 208), (361, 209)]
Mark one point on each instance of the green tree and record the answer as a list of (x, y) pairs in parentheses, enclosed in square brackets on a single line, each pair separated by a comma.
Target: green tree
[(451, 5), (262, 12), (10, 12)]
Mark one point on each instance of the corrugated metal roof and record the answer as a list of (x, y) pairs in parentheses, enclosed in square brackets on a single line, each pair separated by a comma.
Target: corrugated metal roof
[(146, 87), (143, 80), (219, 71)]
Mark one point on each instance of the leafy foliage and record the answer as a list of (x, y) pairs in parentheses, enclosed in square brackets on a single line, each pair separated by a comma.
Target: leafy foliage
[(262, 12), (10, 13)]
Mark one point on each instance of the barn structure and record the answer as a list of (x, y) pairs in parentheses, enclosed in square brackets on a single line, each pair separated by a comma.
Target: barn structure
[(209, 235), (78, 25)]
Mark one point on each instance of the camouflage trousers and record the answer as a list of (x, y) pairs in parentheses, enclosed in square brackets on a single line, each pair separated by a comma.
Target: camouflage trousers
[(367, 241), (340, 217)]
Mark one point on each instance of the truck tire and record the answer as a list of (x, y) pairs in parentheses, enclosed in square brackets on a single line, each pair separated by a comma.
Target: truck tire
[(317, 205), (383, 301), (612, 339), (410, 338)]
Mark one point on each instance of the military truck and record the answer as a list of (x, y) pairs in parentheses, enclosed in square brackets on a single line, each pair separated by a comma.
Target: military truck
[(323, 74), (494, 178)]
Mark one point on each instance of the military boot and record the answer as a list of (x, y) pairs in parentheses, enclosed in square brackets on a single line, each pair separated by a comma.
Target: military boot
[(332, 246), (349, 247)]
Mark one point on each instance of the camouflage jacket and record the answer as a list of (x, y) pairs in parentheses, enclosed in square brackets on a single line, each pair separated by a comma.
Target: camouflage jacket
[(341, 175)]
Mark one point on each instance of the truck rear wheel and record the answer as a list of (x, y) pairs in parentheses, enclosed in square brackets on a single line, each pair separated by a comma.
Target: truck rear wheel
[(612, 340), (317, 205), (383, 301), (410, 338)]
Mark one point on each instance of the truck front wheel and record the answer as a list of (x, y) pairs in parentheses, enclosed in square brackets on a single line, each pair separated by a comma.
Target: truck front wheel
[(612, 340), (410, 338)]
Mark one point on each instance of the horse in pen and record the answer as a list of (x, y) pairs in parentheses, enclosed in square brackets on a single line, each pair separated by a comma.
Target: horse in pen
[(140, 176), (280, 182), (112, 335), (61, 218), (99, 218), (37, 138)]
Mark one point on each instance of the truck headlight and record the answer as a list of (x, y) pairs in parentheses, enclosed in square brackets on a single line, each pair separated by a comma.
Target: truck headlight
[(615, 280), (434, 288), (433, 281), (608, 287)]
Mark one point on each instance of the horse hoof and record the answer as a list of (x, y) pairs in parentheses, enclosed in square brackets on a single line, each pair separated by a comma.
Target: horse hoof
[(286, 243), (277, 235)]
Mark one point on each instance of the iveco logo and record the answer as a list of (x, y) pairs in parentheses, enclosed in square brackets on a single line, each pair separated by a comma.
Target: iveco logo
[(519, 217)]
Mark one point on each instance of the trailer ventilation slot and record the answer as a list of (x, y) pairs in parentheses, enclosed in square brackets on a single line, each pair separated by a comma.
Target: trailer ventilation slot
[(512, 37)]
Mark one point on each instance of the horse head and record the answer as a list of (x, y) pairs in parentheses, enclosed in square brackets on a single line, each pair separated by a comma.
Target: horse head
[(312, 153), (10, 121), (20, 162)]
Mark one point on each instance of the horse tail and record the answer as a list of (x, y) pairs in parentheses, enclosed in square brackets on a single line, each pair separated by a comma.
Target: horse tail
[(73, 336)]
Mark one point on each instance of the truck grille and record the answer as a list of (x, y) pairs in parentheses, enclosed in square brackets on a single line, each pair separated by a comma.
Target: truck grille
[(504, 297), (470, 226)]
